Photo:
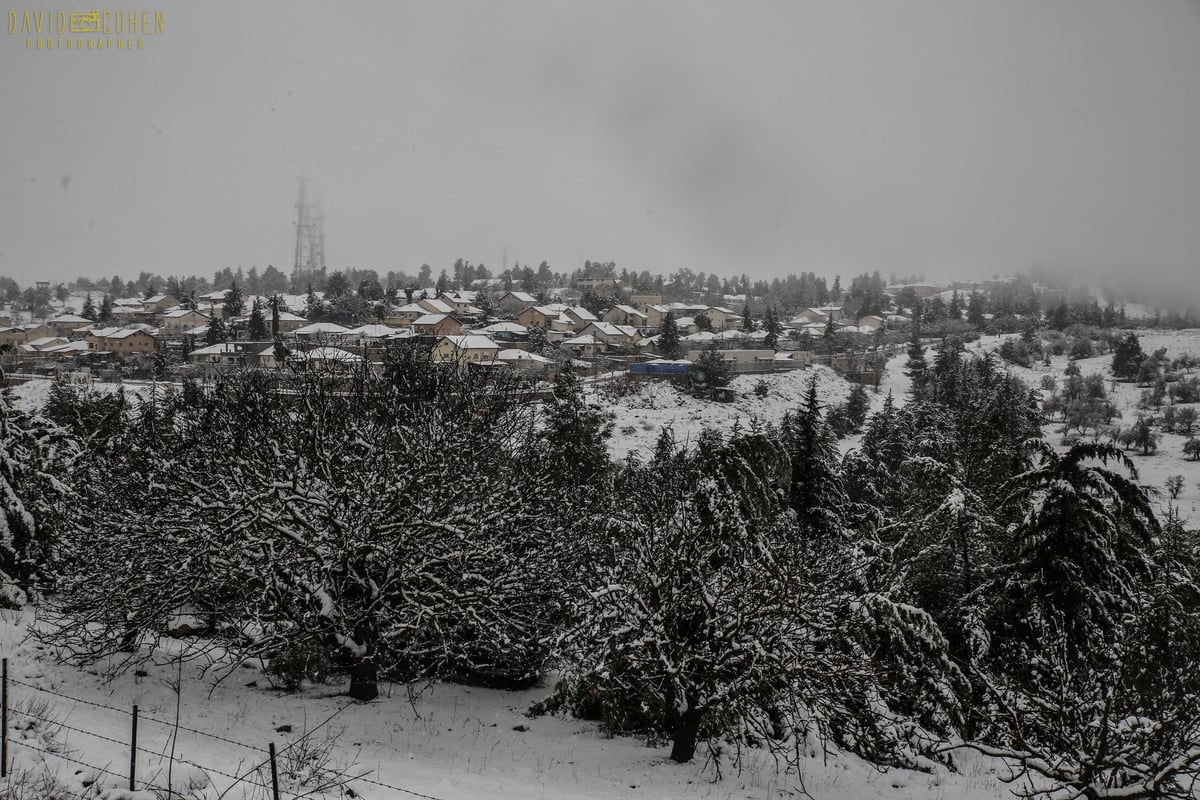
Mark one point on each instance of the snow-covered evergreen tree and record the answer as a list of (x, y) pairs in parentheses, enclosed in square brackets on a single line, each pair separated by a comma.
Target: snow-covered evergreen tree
[(216, 333), (257, 330), (711, 370), (668, 337), (817, 493), (916, 365), (575, 432), (235, 301), (33, 461)]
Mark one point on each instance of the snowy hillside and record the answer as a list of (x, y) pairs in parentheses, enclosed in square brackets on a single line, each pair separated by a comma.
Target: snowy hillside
[(1168, 460), (640, 418), (31, 396)]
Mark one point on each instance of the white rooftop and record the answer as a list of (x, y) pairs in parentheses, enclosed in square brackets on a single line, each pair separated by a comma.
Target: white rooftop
[(320, 327)]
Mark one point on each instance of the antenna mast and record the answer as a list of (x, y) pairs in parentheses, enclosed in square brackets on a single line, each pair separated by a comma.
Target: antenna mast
[(310, 233)]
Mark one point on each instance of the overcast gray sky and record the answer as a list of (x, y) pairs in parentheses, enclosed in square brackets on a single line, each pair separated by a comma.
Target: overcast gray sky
[(947, 137)]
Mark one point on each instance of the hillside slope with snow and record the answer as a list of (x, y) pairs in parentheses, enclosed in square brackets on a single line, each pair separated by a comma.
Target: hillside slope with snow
[(641, 417)]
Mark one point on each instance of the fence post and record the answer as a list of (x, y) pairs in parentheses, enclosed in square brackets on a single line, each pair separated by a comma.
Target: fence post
[(4, 721), (133, 751), (274, 775)]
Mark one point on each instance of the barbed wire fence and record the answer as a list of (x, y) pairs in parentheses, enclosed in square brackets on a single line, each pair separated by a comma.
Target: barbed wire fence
[(254, 778)]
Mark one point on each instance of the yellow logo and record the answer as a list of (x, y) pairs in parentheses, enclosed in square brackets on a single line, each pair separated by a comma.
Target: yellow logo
[(86, 23), (98, 29)]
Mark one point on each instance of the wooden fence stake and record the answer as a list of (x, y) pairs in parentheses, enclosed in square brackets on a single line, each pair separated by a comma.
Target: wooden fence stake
[(274, 775), (4, 721), (133, 752)]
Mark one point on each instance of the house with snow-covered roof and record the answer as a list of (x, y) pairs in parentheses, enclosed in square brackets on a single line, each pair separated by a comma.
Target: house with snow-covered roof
[(288, 322), (235, 355), (626, 315), (612, 335), (460, 302), (506, 331), (436, 306), (157, 304), (67, 350), (320, 330), (720, 318), (465, 349), (44, 343), (585, 345), (129, 310), (30, 331), (331, 359), (369, 332), (536, 315), (405, 315), (512, 303), (514, 356), (66, 324), (436, 325), (179, 321), (121, 341), (549, 317), (809, 316), (655, 314), (580, 317), (870, 322)]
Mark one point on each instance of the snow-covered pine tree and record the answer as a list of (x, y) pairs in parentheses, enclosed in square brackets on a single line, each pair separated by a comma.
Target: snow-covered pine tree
[(857, 405), (538, 343), (773, 327), (817, 494), (1052, 615), (711, 371), (1127, 357), (235, 301), (257, 330), (829, 335), (1078, 550), (216, 332), (575, 432), (161, 360), (916, 365), (33, 459), (668, 337), (1119, 718)]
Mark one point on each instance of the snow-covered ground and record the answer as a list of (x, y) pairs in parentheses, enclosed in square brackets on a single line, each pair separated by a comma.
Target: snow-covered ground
[(640, 417), (31, 395), (450, 743)]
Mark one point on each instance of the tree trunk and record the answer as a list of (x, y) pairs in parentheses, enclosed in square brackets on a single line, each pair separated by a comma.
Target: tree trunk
[(687, 730), (364, 679), (130, 639)]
